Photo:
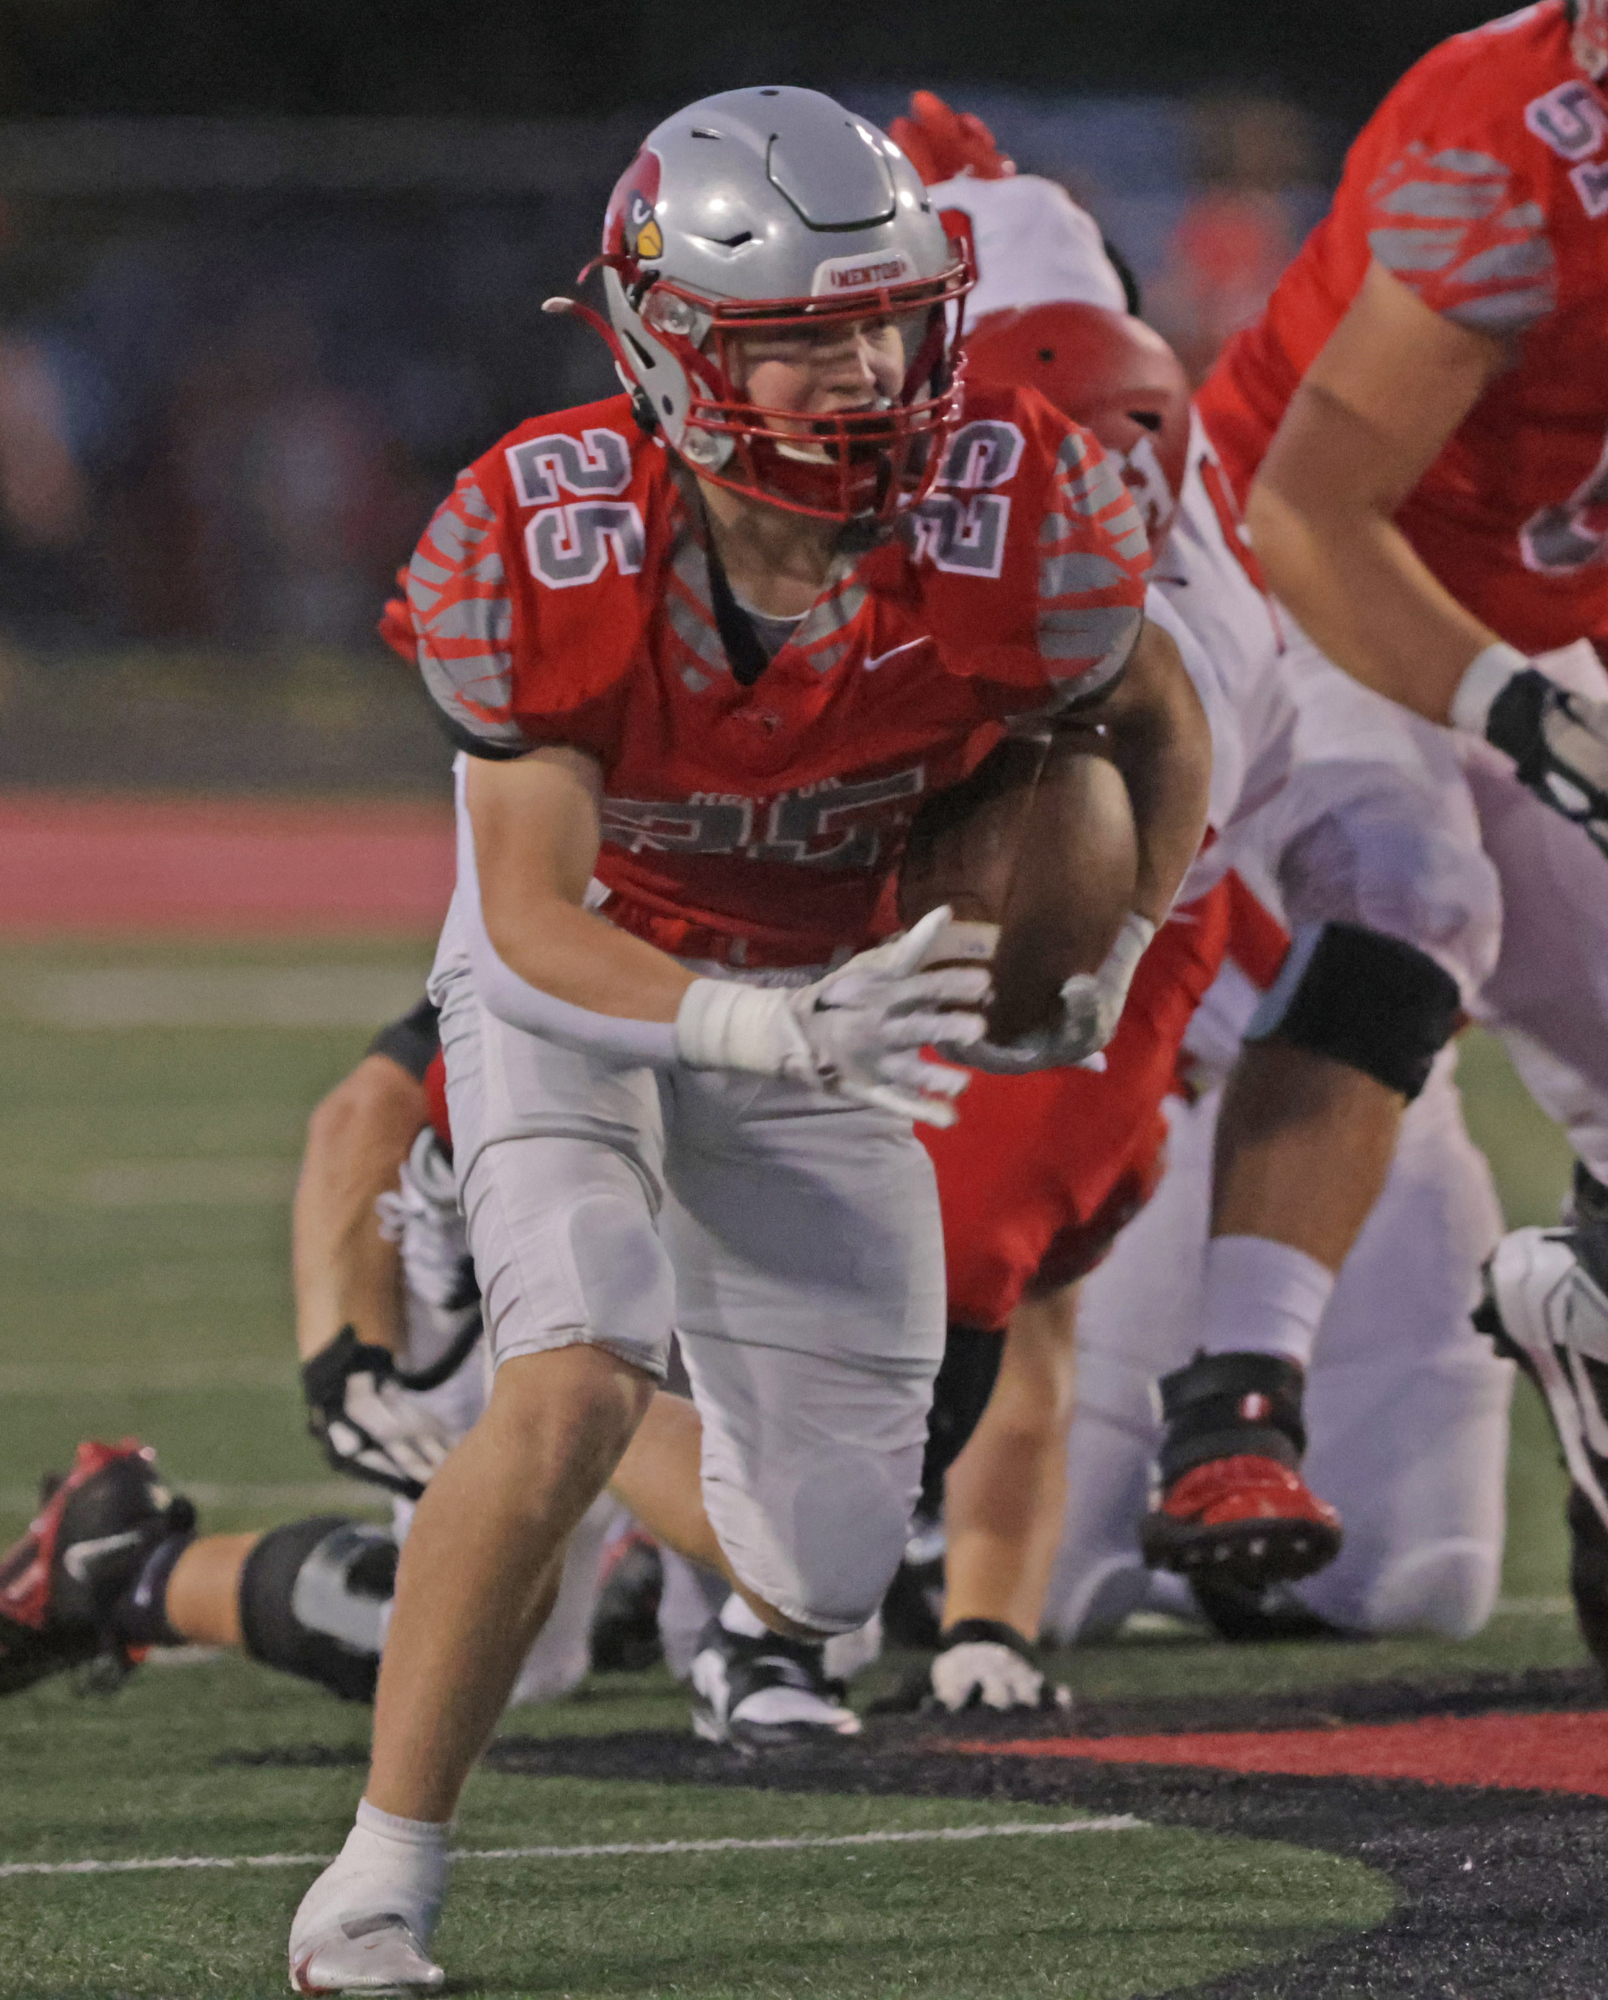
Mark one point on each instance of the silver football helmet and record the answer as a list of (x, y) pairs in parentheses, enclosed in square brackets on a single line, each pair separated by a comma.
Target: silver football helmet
[(774, 208)]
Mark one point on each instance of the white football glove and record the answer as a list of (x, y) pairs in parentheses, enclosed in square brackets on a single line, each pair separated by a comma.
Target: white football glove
[(367, 1422), (1091, 1007), (858, 1032), (986, 1665)]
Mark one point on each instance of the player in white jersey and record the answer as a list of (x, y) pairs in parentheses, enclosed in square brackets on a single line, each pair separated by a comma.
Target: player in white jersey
[(1378, 859)]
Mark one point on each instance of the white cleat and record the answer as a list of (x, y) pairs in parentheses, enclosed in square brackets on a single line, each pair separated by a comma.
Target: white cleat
[(1543, 1310), (758, 1694), (377, 1954)]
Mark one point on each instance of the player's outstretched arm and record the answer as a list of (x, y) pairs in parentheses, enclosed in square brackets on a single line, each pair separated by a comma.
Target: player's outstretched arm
[(346, 1273), (348, 1281), (1394, 382), (544, 963)]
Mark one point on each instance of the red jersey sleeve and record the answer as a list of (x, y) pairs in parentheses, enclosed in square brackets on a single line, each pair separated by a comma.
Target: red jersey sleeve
[(1456, 212), (463, 617), (1034, 557), (1094, 559), (530, 610)]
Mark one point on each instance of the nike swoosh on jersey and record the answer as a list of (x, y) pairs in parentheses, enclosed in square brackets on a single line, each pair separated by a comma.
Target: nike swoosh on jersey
[(875, 660), (78, 1558)]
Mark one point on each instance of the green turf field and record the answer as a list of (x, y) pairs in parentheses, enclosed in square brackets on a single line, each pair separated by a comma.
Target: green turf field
[(151, 1108)]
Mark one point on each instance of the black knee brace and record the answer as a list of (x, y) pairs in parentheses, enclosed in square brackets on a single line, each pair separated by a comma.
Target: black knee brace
[(1364, 999), (311, 1599), (959, 1397)]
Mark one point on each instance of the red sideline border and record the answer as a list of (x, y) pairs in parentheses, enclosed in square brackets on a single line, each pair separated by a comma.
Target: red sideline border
[(1557, 1752), (96, 864)]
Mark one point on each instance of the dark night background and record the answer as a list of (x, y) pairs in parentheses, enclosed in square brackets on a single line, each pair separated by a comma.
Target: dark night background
[(504, 59), (269, 274)]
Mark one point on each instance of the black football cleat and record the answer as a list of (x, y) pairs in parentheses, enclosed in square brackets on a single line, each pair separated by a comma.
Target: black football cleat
[(625, 1626), (62, 1584), (762, 1694)]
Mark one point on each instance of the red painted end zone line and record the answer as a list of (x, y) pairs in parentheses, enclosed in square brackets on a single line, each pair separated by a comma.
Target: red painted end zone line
[(221, 866), (1533, 1753)]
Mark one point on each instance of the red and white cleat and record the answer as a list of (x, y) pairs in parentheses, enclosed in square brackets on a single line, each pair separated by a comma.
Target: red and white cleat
[(61, 1584), (1233, 1505)]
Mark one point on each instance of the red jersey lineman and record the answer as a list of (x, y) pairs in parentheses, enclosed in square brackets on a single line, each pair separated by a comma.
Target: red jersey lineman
[(1419, 425), (1481, 184)]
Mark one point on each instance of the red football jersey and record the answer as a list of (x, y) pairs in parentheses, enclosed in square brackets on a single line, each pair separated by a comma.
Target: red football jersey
[(1482, 183), (562, 595)]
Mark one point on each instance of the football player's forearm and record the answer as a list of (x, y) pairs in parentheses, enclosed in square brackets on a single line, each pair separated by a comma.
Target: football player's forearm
[(1351, 578), (585, 961), (345, 1273), (1160, 741)]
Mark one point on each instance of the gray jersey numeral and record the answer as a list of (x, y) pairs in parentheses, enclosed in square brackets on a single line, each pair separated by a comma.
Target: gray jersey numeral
[(570, 545), (598, 462)]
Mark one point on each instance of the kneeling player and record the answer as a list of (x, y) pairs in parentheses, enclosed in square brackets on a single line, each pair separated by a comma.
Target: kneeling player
[(111, 1566)]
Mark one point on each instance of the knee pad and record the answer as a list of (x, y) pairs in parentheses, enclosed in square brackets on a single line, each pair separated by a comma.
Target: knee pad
[(1363, 999), (314, 1598), (824, 1548)]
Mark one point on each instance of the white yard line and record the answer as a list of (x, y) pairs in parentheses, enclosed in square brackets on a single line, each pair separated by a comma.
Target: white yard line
[(607, 1850), (1532, 1607)]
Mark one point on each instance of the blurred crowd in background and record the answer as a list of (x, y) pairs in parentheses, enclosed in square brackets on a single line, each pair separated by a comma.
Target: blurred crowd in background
[(232, 390)]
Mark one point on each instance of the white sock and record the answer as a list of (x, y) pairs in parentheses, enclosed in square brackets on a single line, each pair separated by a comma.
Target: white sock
[(387, 1864), (736, 1618), (1263, 1297)]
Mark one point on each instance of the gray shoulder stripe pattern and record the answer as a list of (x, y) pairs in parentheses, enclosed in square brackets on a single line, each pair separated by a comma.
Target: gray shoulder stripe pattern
[(490, 619), (1065, 576), (1525, 259), (1089, 632), (1505, 313), (1413, 249), (1459, 160), (1443, 201)]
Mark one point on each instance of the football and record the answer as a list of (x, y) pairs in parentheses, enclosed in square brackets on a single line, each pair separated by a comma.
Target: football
[(1039, 840)]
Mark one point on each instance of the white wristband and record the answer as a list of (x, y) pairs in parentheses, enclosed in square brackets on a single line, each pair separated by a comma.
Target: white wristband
[(1483, 680), (723, 1024)]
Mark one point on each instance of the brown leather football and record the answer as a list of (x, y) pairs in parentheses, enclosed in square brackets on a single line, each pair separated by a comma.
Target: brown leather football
[(1039, 840)]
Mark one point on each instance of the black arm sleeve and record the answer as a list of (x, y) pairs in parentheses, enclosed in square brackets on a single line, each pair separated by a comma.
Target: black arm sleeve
[(412, 1042)]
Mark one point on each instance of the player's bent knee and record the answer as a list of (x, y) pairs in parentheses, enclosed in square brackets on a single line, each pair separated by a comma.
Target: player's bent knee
[(314, 1597), (824, 1554), (1360, 998)]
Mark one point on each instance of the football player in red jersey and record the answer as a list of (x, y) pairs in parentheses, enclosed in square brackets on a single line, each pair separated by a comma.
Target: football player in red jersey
[(1419, 427), (708, 644)]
